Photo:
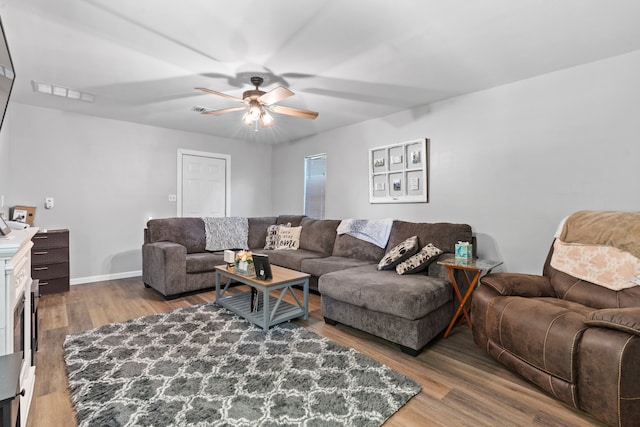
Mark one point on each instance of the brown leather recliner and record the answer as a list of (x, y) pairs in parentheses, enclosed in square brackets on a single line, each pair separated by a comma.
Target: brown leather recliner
[(578, 341)]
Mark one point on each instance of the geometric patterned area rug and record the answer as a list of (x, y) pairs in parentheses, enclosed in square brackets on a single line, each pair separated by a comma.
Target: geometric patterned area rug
[(205, 366)]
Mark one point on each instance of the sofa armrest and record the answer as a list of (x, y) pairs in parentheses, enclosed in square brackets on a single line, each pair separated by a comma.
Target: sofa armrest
[(519, 284), (164, 267), (622, 319)]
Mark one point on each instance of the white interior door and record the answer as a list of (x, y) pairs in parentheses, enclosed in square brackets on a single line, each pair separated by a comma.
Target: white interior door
[(203, 184)]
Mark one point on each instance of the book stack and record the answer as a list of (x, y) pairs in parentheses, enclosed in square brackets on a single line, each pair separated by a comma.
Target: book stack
[(254, 300)]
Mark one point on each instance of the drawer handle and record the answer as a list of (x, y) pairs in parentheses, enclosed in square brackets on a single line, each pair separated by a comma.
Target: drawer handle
[(41, 253), (40, 237), (43, 284), (40, 268)]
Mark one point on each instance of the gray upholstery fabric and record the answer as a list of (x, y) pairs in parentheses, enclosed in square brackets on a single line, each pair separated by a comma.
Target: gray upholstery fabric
[(205, 261), (294, 220), (413, 334), (258, 230), (410, 297), (164, 267), (318, 235), (319, 266), (287, 258), (443, 235), (352, 247), (189, 232)]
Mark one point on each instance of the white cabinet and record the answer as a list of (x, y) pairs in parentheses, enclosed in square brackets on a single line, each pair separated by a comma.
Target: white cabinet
[(15, 292)]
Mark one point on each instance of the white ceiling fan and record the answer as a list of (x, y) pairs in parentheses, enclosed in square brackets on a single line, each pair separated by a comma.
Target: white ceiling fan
[(259, 103)]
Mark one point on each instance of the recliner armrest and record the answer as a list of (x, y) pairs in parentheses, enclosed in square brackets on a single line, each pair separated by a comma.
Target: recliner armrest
[(622, 319), (519, 284)]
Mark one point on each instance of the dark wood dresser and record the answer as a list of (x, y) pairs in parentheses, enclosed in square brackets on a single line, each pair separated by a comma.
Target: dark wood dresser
[(50, 260)]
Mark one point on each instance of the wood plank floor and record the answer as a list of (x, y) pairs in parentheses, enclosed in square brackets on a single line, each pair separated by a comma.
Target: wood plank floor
[(461, 385)]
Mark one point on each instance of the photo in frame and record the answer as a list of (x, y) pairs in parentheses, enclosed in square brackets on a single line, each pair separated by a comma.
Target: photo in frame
[(398, 173)]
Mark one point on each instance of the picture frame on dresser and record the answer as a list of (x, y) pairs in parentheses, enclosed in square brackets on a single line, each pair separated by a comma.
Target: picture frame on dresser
[(398, 173)]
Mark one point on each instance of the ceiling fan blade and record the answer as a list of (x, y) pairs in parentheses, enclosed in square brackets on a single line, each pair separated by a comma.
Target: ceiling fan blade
[(226, 110), (294, 112), (224, 95), (275, 95)]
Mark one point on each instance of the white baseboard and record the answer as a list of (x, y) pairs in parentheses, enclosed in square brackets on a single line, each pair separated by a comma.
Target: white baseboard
[(103, 277)]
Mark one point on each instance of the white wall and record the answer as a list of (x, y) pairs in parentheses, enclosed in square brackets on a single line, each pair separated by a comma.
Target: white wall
[(108, 177), (511, 161)]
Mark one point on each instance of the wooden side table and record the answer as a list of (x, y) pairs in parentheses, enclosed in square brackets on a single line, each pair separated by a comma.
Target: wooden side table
[(476, 266)]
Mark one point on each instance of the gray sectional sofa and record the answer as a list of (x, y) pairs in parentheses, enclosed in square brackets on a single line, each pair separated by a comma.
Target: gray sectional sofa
[(409, 310)]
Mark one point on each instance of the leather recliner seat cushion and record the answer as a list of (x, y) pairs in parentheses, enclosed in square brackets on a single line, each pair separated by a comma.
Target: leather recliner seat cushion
[(545, 332)]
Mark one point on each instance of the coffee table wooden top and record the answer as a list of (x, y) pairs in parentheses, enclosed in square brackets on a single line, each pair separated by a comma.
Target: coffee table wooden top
[(280, 275)]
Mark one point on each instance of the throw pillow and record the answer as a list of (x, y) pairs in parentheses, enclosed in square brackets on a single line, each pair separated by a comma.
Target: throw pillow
[(288, 238), (399, 253), (271, 241), (272, 237), (419, 261)]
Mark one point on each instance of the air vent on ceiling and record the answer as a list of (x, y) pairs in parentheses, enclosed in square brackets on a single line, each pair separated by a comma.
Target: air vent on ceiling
[(199, 109)]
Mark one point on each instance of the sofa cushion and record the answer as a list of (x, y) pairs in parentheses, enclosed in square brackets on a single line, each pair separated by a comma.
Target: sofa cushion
[(410, 297), (292, 220), (399, 253), (188, 232), (352, 247), (287, 258), (318, 235), (288, 238), (545, 332), (258, 230), (419, 261), (443, 235), (319, 266), (204, 261)]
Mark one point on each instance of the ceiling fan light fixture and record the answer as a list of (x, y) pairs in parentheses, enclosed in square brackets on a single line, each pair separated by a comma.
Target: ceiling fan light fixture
[(255, 110), (266, 119), (247, 119)]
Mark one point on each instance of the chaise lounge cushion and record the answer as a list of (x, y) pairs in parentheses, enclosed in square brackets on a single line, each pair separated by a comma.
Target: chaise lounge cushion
[(410, 297)]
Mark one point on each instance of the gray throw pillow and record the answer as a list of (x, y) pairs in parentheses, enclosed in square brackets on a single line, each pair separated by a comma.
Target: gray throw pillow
[(419, 261), (399, 253)]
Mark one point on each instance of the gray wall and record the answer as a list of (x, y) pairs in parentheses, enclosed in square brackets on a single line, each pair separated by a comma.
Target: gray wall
[(108, 177), (511, 161)]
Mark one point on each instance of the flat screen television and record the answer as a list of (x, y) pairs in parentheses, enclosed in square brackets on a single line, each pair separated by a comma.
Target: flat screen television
[(7, 75)]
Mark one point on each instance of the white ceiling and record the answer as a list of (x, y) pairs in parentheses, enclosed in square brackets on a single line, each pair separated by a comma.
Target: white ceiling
[(350, 60)]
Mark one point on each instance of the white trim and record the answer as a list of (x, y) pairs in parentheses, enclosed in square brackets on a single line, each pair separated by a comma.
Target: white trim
[(104, 277), (226, 157)]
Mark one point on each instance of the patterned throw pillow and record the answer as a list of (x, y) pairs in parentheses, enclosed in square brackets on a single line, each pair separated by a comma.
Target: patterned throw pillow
[(288, 238), (271, 242), (399, 253), (419, 261), (272, 237)]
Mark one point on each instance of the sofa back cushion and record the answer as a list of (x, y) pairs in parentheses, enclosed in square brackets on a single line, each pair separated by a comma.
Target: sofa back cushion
[(189, 232), (291, 220), (258, 230), (352, 247), (318, 235), (442, 235), (572, 289)]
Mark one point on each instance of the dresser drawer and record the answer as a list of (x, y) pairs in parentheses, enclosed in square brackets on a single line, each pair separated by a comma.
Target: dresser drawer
[(52, 286), (51, 271), (51, 239), (49, 256)]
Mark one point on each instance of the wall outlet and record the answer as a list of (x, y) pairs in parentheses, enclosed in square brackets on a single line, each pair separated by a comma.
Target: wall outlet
[(48, 202), (172, 198)]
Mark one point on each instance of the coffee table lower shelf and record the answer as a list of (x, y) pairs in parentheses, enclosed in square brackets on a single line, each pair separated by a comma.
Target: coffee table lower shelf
[(240, 304)]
